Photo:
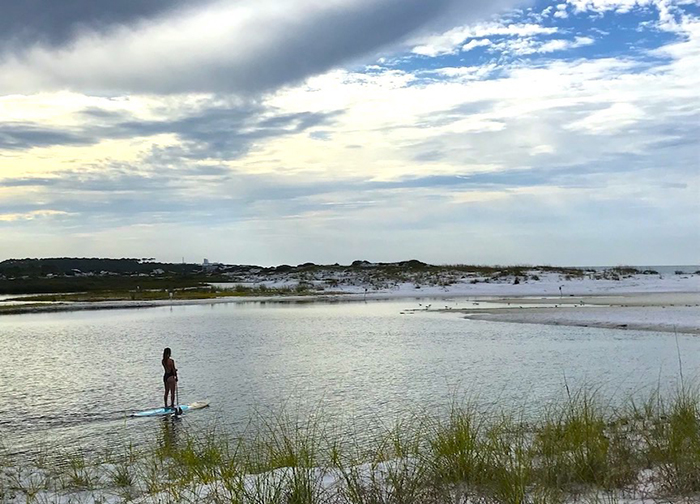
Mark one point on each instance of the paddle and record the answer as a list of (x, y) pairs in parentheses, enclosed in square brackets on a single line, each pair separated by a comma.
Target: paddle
[(178, 409)]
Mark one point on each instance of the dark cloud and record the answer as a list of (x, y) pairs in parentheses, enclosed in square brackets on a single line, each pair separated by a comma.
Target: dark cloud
[(225, 133), (55, 22), (96, 113), (22, 136), (271, 47), (214, 132)]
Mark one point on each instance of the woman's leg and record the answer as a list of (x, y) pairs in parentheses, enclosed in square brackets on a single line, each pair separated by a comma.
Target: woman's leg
[(165, 395), (171, 387)]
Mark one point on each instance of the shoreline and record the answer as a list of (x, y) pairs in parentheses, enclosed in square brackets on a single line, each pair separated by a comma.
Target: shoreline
[(672, 312), (669, 312), (66, 306), (352, 296), (514, 318)]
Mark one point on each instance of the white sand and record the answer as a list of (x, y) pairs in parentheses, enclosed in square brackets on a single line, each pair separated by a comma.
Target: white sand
[(547, 285), (646, 302), (667, 312), (671, 319)]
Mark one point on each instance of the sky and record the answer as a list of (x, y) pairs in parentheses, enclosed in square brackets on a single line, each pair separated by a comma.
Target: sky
[(268, 132)]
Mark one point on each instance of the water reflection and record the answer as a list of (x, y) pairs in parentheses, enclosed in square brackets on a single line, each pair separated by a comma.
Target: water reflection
[(170, 435)]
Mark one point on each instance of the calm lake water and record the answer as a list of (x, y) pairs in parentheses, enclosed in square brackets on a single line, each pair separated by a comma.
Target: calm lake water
[(71, 379)]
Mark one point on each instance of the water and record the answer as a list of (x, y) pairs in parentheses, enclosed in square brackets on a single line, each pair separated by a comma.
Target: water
[(70, 379), (684, 269)]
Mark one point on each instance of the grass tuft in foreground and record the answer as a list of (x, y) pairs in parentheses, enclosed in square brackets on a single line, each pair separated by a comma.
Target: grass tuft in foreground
[(579, 450)]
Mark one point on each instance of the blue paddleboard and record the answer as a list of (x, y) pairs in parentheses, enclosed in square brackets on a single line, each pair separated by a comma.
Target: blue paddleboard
[(171, 411)]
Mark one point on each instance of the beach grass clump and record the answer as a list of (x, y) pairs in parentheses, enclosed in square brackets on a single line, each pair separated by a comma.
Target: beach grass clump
[(457, 449), (674, 443), (389, 470), (81, 473), (578, 446), (507, 470), (198, 459), (290, 448)]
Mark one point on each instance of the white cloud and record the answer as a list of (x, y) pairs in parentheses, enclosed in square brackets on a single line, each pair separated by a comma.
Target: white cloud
[(601, 6), (561, 45), (525, 46), (616, 117), (451, 41), (665, 7), (561, 12), (541, 149), (467, 72), (474, 43)]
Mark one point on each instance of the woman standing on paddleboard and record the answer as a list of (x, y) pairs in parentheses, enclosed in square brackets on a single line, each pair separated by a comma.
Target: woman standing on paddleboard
[(169, 378)]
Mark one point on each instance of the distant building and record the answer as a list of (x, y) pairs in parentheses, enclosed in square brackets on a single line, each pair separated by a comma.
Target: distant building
[(209, 266)]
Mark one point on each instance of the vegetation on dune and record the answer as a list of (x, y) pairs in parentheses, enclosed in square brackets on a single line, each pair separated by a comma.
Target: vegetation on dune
[(83, 265), (95, 284), (123, 276), (579, 450)]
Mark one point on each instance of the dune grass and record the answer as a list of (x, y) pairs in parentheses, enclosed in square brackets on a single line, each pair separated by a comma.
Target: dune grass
[(580, 450), (202, 292)]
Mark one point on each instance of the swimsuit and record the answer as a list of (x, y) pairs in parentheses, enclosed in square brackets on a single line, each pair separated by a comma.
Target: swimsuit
[(168, 375)]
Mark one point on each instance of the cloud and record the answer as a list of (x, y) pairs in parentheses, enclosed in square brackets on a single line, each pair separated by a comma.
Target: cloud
[(224, 133), (602, 6), (34, 214), (243, 46), (563, 44), (450, 41), (54, 23), (616, 117), (214, 130), (467, 72), (665, 8), (22, 136), (561, 12), (474, 43), (527, 45)]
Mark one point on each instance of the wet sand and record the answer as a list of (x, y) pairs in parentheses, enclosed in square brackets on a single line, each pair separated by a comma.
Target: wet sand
[(665, 312)]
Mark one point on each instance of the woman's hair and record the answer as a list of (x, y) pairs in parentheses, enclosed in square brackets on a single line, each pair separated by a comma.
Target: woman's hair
[(166, 355)]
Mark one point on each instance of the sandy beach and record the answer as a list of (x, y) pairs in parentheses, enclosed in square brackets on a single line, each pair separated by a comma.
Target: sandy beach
[(640, 302), (665, 312)]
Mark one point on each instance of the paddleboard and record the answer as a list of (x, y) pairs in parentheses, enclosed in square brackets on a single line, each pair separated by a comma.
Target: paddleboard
[(171, 411)]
